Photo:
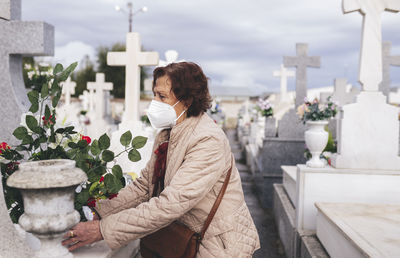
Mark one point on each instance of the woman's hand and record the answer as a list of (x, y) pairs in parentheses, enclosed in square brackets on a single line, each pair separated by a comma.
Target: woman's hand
[(82, 234)]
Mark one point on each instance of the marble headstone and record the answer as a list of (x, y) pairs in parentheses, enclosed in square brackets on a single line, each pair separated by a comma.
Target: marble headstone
[(68, 89), (369, 129), (284, 74)]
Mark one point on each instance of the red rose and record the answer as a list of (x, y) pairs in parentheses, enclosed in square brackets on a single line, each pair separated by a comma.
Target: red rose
[(113, 195), (86, 138), (91, 202), (4, 146), (101, 179), (49, 121)]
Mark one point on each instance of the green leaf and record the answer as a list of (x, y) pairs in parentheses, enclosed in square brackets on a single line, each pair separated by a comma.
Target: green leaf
[(126, 138), (112, 183), (72, 145), (83, 196), (55, 87), (58, 68), (32, 123), (34, 108), (134, 155), (107, 156), (47, 112), (45, 90), (33, 97), (94, 148), (93, 176), (20, 132), (56, 99), (138, 142), (117, 171), (82, 144), (93, 187), (27, 139), (60, 130), (66, 73), (104, 142)]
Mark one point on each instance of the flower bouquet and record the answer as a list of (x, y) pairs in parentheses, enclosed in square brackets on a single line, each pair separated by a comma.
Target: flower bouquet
[(42, 138), (316, 137), (264, 107)]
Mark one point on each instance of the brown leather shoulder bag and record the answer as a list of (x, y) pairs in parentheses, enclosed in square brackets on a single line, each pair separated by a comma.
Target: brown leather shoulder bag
[(178, 240)]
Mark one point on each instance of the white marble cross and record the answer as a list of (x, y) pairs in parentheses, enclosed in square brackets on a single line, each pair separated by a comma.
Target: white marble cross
[(301, 62), (99, 86), (283, 73), (371, 48), (68, 88), (387, 61), (132, 59), (84, 97)]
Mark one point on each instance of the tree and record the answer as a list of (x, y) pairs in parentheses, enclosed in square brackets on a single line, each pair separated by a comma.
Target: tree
[(84, 75), (116, 74)]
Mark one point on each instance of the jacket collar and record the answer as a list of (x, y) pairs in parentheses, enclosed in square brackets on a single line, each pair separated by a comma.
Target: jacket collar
[(186, 126)]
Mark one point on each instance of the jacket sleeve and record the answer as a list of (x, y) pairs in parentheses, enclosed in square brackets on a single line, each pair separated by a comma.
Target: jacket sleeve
[(204, 164), (128, 197)]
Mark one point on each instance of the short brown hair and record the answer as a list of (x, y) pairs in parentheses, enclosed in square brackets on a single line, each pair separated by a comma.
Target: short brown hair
[(189, 84)]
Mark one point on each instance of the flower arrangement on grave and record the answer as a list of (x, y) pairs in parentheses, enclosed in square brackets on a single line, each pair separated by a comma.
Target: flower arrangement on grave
[(42, 138), (264, 107), (315, 111)]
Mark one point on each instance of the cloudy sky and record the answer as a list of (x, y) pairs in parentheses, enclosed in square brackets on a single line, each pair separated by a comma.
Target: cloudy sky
[(238, 43)]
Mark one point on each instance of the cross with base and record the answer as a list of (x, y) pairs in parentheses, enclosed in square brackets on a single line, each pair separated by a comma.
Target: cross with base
[(132, 59), (100, 86), (18, 38), (387, 61), (301, 62), (283, 73), (371, 49), (68, 88)]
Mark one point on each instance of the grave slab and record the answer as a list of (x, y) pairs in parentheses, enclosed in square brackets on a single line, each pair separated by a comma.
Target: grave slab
[(361, 230)]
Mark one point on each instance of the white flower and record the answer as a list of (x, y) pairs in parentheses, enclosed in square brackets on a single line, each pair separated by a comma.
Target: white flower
[(87, 212), (30, 74), (28, 66)]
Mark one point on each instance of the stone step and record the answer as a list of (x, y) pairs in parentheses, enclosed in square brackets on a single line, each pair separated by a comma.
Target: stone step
[(360, 230)]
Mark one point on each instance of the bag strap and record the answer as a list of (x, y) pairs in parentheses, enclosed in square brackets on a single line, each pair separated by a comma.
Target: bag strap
[(217, 201)]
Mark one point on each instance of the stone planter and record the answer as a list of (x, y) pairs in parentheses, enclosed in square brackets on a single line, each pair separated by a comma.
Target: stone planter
[(48, 189), (270, 127), (316, 139)]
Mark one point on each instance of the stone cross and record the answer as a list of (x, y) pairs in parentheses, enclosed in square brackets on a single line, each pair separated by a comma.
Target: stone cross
[(284, 74), (371, 50), (85, 100), (132, 59), (301, 62), (68, 88), (17, 39), (100, 86), (387, 61)]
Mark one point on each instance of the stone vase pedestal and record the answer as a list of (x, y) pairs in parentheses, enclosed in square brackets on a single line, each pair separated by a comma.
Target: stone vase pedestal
[(316, 139), (48, 189)]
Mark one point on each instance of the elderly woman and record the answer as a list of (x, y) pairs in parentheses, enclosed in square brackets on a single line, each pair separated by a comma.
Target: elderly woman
[(190, 161)]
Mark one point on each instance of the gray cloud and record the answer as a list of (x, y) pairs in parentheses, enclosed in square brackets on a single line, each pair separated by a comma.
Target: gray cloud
[(237, 43)]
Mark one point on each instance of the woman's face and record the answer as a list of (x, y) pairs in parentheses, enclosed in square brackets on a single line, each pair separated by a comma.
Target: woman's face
[(163, 93)]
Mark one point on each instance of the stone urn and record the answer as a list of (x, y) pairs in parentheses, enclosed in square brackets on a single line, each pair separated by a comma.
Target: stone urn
[(316, 139), (48, 189), (270, 127)]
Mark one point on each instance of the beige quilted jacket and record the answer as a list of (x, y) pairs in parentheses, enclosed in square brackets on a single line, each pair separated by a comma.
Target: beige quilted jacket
[(198, 159)]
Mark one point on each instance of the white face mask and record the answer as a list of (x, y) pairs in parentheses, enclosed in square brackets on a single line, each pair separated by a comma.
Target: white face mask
[(162, 115)]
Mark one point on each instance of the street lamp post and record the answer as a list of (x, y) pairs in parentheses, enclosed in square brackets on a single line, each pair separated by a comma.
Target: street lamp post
[(130, 12)]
